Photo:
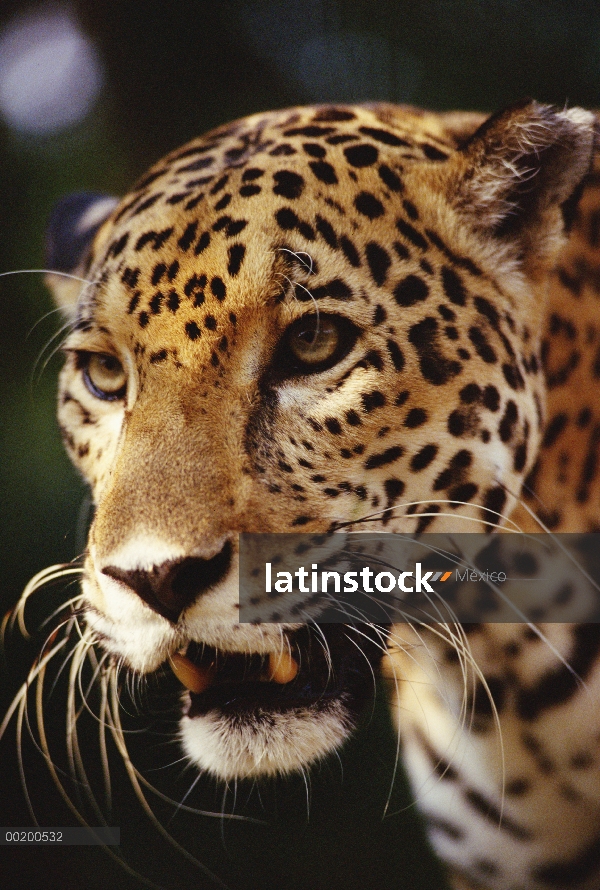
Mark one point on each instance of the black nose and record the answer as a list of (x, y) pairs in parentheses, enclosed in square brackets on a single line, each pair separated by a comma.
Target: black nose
[(172, 586)]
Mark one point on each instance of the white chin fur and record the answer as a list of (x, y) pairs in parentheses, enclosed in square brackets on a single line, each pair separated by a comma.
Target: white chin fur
[(270, 744)]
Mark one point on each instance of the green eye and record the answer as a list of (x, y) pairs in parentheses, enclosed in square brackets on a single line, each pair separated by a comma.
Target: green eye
[(315, 343), (104, 375)]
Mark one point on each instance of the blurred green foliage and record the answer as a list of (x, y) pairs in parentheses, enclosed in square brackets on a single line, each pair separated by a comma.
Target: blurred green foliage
[(173, 70)]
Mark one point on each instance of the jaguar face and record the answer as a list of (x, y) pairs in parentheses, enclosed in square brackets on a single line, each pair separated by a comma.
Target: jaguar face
[(309, 320)]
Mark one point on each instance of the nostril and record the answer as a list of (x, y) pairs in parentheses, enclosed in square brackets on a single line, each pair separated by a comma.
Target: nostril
[(172, 586), (193, 576)]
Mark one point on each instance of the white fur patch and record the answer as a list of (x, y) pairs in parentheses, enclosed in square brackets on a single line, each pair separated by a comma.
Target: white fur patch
[(263, 744)]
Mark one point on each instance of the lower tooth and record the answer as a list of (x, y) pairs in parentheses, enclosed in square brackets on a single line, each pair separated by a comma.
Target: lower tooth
[(194, 677), (282, 668)]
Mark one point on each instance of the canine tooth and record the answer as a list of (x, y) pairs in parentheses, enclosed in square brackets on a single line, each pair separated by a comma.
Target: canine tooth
[(195, 678), (282, 667)]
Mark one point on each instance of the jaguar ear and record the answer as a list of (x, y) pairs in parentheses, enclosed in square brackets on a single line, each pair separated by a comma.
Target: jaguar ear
[(518, 176), (72, 226)]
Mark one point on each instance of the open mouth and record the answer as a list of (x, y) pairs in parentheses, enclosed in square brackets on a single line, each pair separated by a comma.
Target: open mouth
[(316, 664)]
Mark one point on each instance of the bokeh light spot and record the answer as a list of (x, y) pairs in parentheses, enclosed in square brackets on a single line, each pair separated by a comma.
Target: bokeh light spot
[(50, 72)]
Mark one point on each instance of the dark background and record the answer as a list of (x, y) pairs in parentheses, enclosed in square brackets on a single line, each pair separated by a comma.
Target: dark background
[(171, 71)]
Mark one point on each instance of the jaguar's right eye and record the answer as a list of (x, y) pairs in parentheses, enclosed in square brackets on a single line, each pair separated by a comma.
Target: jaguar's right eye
[(315, 343), (103, 374)]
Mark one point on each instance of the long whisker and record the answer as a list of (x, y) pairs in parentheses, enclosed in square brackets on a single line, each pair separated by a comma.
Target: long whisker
[(375, 516), (294, 284), (136, 785), (58, 334), (46, 576), (21, 695), (307, 263), (46, 272)]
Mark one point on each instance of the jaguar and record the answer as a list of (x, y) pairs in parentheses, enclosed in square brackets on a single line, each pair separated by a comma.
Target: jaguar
[(349, 318)]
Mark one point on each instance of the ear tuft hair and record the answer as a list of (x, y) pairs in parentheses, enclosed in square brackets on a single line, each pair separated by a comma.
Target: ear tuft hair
[(520, 167)]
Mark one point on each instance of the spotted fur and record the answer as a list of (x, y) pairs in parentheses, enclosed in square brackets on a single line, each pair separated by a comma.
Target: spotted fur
[(461, 392)]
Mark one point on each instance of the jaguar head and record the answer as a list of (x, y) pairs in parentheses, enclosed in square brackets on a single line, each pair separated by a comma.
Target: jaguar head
[(308, 320)]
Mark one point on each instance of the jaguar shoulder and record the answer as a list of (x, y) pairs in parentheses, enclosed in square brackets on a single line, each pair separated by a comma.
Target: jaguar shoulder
[(316, 318)]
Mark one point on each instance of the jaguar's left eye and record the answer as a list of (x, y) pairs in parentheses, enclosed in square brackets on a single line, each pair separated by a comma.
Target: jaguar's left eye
[(315, 343), (104, 375)]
